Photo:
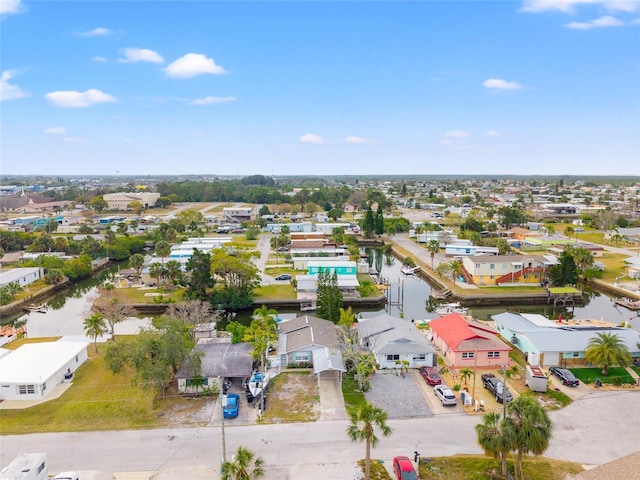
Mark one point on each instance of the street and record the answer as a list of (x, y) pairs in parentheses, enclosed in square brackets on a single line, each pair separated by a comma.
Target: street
[(595, 429)]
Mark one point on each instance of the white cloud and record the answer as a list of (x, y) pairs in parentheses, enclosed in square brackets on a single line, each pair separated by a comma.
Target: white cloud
[(457, 134), (311, 138), (96, 32), (606, 21), (55, 130), (132, 55), (8, 7), (9, 91), (569, 6), (193, 64), (99, 59), (75, 99), (499, 84), (352, 139), (493, 133), (212, 100), (74, 140)]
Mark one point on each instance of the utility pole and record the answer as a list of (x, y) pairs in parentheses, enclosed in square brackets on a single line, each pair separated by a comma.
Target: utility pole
[(223, 403), (504, 391), (475, 366)]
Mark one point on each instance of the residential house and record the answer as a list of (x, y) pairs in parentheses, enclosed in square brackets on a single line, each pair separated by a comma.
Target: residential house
[(306, 340), (21, 276), (507, 269), (468, 343), (33, 370), (237, 214), (220, 359), (394, 341), (561, 343)]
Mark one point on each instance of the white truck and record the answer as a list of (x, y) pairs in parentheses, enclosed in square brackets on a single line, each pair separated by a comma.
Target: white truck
[(536, 379), (27, 466)]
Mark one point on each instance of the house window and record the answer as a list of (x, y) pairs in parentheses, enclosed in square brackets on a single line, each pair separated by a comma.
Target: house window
[(468, 355), (301, 356), (575, 354), (422, 356), (192, 381), (26, 389), (41, 467), (391, 358), (493, 354), (492, 266)]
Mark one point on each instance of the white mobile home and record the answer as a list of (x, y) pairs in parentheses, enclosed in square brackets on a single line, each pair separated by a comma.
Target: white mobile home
[(32, 371), (21, 276)]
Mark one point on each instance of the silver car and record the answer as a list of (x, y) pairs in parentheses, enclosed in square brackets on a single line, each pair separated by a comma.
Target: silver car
[(445, 394)]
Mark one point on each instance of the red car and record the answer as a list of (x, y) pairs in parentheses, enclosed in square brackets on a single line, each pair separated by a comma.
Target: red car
[(430, 375), (403, 468)]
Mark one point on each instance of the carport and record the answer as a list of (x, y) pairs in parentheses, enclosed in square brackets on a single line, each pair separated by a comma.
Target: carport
[(221, 359), (328, 360)]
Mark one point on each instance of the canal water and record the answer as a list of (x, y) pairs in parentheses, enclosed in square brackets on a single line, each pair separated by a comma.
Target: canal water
[(68, 308), (408, 297)]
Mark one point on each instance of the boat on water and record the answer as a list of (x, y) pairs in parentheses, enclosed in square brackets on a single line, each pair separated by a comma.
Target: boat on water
[(308, 306), (36, 308), (409, 270), (448, 308), (628, 303), (258, 382)]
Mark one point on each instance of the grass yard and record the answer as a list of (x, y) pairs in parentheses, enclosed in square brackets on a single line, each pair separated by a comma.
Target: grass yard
[(293, 396), (353, 397), (97, 400), (616, 374), (479, 467), (274, 292), (614, 266), (137, 295), (377, 470)]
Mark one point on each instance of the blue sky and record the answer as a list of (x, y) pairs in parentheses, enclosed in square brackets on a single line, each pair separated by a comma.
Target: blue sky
[(320, 88)]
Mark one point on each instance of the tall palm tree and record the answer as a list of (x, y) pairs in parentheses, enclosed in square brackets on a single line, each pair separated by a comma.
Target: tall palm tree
[(245, 466), (163, 249), (607, 349), (265, 314), (156, 270), (493, 438), (94, 326), (569, 230), (456, 269), (433, 247), (530, 428), (364, 420)]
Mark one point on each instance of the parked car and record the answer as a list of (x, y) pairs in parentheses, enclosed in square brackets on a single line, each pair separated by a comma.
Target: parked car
[(284, 276), (430, 375), (66, 476), (446, 395), (403, 468), (232, 407), (495, 386), (565, 375)]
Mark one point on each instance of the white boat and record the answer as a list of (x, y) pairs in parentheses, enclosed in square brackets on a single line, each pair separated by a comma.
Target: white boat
[(307, 306), (409, 270), (258, 382), (447, 308)]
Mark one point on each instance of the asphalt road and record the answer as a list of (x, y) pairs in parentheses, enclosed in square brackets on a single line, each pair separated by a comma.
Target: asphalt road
[(595, 429)]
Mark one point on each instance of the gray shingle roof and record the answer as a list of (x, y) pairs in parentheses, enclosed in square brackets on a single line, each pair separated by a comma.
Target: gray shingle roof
[(222, 359)]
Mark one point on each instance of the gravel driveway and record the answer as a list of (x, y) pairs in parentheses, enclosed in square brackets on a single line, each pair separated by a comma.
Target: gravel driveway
[(399, 397)]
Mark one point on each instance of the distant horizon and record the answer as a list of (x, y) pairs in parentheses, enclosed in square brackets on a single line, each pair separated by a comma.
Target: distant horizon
[(530, 87)]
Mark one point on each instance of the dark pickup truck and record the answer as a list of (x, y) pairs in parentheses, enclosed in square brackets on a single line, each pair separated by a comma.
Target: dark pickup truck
[(495, 386)]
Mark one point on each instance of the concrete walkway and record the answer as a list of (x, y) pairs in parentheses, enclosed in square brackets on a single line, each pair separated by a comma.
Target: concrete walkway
[(331, 399)]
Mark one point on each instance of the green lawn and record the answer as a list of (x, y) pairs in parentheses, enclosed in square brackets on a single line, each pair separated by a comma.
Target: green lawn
[(353, 398), (274, 292), (616, 374), (97, 400), (136, 295)]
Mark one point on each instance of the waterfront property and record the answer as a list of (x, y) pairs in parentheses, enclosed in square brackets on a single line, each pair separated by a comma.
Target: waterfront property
[(220, 359), (302, 340), (394, 340), (468, 343), (507, 269), (32, 371), (559, 343), (21, 276)]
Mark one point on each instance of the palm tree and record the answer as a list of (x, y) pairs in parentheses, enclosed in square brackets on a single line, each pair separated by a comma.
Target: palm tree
[(607, 349), (465, 374), (245, 466), (456, 269), (549, 229), (173, 271), (156, 270), (136, 261), (265, 314), (364, 419), (433, 247), (569, 230), (493, 438), (530, 428), (163, 249), (443, 269), (94, 326)]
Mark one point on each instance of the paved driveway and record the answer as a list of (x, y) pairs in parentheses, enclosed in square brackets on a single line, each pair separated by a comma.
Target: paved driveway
[(331, 399)]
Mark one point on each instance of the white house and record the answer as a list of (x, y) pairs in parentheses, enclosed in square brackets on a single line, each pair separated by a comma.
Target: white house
[(393, 340), (22, 276), (35, 369)]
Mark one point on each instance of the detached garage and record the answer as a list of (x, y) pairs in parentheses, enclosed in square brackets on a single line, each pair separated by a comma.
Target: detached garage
[(32, 371)]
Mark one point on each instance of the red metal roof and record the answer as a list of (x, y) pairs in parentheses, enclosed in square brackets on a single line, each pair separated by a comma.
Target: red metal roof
[(454, 329)]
